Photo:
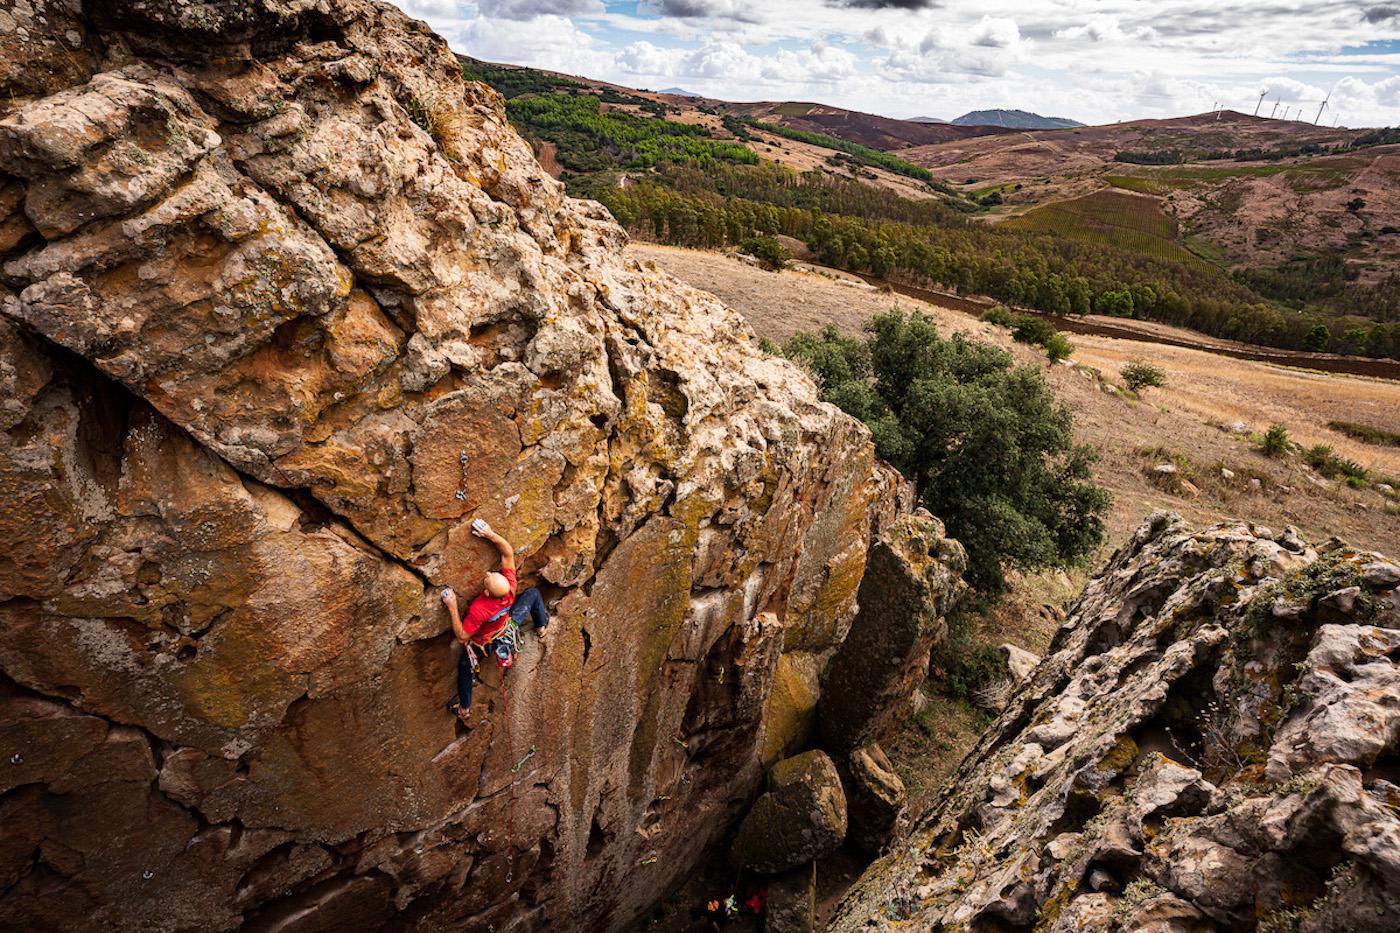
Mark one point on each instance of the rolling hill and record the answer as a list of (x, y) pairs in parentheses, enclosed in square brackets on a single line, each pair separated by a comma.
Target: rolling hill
[(1241, 227), (866, 129), (1305, 213), (1014, 119)]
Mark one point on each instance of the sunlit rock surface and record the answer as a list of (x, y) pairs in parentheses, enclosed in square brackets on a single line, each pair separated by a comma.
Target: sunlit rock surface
[(268, 270), (1209, 744)]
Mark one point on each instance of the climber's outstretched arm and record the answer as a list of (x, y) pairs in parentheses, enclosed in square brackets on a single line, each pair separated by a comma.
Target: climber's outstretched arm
[(449, 599), (483, 530)]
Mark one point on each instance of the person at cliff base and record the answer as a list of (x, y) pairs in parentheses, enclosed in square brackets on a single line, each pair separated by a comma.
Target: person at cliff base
[(491, 625)]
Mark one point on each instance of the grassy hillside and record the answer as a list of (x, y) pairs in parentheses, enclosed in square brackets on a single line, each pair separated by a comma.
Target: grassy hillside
[(688, 172), (1110, 218)]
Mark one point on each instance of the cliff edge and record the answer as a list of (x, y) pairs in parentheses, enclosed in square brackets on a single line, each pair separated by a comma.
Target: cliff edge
[(1210, 744), (287, 304)]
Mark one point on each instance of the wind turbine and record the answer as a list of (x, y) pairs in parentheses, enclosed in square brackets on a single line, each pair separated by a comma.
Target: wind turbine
[(1275, 110), (1261, 101), (1322, 108)]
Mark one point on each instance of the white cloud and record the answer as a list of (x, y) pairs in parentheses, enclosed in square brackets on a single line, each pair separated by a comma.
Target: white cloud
[(530, 9), (643, 58), (430, 9), (1094, 60), (1097, 29), (995, 33), (552, 42)]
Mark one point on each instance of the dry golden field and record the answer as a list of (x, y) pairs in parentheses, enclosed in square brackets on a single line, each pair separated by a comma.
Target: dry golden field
[(1190, 418)]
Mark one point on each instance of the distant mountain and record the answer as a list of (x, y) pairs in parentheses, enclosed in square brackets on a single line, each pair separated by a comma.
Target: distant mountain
[(1014, 119), (679, 92), (927, 120), (867, 129)]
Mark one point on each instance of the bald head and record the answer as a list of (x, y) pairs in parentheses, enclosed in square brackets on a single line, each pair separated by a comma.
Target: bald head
[(497, 585)]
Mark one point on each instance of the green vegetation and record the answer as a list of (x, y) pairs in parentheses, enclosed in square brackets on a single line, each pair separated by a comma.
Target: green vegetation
[(1139, 375), (1366, 433), (1057, 347), (1322, 459), (1109, 218), (1108, 252), (1317, 338), (1275, 441), (864, 155), (1028, 328), (767, 250), (964, 661), (593, 140), (1058, 274), (513, 82), (986, 444)]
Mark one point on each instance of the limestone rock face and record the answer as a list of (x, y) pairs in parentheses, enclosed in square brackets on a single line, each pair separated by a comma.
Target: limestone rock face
[(910, 581), (792, 902), (801, 817), (1209, 744), (875, 798), (286, 304)]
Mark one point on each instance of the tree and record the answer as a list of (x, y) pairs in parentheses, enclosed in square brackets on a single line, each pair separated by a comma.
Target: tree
[(1116, 303), (1138, 375), (990, 450), (1057, 347), (1317, 338), (1027, 328), (767, 250)]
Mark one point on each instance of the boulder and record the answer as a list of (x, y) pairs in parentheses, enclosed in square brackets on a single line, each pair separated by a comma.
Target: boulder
[(1020, 663), (911, 577), (287, 304), (875, 798), (791, 906), (1182, 758), (799, 818)]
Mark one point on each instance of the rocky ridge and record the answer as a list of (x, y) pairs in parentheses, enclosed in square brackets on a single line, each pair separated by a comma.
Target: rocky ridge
[(1210, 744), (286, 304)]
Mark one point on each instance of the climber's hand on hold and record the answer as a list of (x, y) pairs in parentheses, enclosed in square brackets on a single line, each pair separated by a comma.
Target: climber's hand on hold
[(480, 528)]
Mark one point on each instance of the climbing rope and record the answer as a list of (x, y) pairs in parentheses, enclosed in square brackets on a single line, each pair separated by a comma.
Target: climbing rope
[(510, 756)]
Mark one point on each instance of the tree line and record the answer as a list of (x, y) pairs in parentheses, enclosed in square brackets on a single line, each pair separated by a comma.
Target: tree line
[(1041, 271)]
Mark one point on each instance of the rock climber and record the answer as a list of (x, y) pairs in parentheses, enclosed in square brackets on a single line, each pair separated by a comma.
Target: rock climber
[(493, 618)]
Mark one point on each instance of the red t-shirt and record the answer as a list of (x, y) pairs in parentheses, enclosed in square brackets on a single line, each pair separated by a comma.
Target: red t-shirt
[(484, 606)]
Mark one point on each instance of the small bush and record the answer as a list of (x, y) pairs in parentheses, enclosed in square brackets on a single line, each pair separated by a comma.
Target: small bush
[(1318, 457), (767, 250), (1138, 375), (1321, 458), (1366, 433), (1027, 328), (965, 662), (1275, 443), (1058, 347), (1001, 316)]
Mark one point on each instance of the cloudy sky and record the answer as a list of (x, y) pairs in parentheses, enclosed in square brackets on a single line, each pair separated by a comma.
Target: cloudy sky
[(1094, 60)]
